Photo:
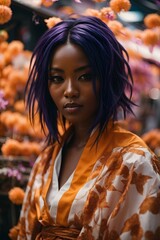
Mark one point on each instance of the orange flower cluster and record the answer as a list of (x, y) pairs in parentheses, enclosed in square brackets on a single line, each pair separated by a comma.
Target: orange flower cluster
[(120, 5), (5, 11), (107, 14), (152, 20), (14, 64), (3, 36), (150, 37), (13, 147), (131, 124), (19, 124), (14, 123), (5, 14), (19, 106), (16, 195), (152, 138), (5, 2), (15, 47), (51, 22)]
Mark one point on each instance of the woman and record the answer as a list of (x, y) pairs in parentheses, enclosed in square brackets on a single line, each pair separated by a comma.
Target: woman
[(95, 180)]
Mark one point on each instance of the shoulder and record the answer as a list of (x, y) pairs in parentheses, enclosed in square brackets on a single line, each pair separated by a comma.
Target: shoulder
[(138, 161), (125, 138), (132, 149)]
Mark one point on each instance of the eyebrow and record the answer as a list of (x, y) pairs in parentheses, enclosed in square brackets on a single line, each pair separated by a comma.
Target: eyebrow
[(76, 70)]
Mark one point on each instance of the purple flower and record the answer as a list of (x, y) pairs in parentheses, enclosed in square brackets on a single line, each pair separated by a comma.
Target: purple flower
[(110, 15), (3, 103), (14, 173), (21, 168)]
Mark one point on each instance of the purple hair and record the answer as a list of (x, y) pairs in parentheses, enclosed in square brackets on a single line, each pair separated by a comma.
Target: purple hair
[(106, 57)]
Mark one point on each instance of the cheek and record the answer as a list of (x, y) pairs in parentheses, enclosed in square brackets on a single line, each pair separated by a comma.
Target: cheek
[(53, 94), (57, 96), (92, 102)]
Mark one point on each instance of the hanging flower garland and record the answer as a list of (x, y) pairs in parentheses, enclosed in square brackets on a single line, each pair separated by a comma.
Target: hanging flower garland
[(149, 36)]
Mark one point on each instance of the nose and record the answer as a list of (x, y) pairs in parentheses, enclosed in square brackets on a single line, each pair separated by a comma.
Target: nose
[(71, 90)]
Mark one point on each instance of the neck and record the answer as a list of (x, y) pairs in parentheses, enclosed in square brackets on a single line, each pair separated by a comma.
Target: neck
[(79, 138)]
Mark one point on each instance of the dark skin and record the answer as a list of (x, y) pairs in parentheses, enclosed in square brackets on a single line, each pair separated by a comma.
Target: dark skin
[(71, 89), (74, 148)]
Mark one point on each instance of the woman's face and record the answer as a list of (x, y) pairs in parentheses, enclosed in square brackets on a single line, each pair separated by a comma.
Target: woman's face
[(70, 85)]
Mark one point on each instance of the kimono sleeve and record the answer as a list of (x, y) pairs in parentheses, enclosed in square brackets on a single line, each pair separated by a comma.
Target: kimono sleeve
[(137, 213)]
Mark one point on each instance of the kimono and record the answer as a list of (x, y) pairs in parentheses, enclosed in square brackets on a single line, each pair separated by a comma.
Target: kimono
[(113, 194)]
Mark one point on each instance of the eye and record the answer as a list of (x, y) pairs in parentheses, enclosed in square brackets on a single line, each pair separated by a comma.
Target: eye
[(55, 79), (85, 77)]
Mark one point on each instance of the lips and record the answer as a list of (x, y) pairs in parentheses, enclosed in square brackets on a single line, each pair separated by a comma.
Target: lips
[(72, 105), (72, 108)]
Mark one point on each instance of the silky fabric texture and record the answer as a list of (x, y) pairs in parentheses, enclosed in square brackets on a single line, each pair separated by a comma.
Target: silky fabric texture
[(58, 233), (113, 194)]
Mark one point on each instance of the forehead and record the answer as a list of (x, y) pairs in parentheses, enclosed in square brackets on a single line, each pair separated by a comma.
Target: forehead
[(69, 53)]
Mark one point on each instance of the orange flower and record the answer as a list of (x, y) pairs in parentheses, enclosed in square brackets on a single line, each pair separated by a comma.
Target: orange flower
[(152, 138), (5, 14), (3, 36), (107, 14), (150, 37), (13, 233), (5, 2), (3, 47), (152, 20), (6, 71), (19, 106), (16, 195), (115, 26), (119, 5), (2, 62), (15, 47), (92, 12), (51, 22), (47, 3)]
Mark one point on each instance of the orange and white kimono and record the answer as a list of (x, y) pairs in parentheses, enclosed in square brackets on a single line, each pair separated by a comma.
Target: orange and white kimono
[(113, 194)]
